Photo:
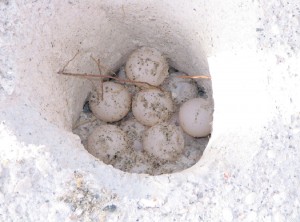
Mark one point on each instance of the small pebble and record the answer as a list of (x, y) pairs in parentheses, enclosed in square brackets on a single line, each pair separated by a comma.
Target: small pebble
[(147, 203), (110, 208)]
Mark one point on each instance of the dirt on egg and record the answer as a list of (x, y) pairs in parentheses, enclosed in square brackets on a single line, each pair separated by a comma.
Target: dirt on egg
[(137, 129)]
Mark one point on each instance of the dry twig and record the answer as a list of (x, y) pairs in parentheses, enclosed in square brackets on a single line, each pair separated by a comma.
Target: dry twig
[(128, 81), (99, 89), (65, 66), (193, 77), (95, 76)]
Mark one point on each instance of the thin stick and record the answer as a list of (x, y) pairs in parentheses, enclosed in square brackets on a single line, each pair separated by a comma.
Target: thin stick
[(102, 66), (193, 77), (100, 88), (64, 67), (89, 75)]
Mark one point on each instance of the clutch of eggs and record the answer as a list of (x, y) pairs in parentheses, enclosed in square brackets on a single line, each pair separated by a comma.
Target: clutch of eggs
[(151, 108)]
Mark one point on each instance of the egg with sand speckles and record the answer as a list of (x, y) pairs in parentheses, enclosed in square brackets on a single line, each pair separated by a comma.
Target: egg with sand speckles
[(107, 142), (134, 131), (114, 105), (164, 141), (152, 106), (147, 65)]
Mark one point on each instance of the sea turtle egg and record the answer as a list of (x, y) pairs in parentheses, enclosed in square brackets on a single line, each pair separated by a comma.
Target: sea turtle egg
[(164, 141), (107, 142), (147, 65), (195, 117), (152, 106), (114, 105)]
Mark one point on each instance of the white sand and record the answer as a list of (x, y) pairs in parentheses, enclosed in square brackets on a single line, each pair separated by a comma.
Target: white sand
[(250, 168)]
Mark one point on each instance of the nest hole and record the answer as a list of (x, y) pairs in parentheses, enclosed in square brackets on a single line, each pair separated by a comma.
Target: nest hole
[(134, 159)]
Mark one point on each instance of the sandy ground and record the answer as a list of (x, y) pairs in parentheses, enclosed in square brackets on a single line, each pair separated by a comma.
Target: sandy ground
[(250, 168)]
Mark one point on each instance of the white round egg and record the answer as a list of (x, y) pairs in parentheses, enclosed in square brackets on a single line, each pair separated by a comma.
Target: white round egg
[(152, 106), (195, 117), (164, 141), (181, 89), (135, 132), (107, 142), (114, 105), (147, 65)]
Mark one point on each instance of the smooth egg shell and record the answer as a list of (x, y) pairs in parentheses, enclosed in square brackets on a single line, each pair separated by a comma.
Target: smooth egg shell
[(195, 117)]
